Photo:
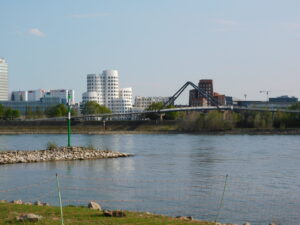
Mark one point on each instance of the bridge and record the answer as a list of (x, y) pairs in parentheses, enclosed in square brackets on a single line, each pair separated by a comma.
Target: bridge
[(214, 106)]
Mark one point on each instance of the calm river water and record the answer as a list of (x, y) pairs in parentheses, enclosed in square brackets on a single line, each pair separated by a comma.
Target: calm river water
[(169, 174)]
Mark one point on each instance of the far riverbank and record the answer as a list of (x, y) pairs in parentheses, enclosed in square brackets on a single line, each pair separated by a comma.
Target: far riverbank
[(123, 127)]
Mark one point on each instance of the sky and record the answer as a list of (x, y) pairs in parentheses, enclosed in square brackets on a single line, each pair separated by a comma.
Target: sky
[(245, 46)]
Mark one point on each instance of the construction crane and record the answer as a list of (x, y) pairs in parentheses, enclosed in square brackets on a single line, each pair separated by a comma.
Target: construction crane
[(266, 92)]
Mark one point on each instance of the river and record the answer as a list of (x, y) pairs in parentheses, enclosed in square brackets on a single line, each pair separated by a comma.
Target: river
[(175, 175)]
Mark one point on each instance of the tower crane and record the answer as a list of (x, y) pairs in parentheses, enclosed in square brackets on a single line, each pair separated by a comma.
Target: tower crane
[(266, 92)]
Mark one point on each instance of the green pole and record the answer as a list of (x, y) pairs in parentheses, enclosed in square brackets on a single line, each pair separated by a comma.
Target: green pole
[(60, 202), (69, 120)]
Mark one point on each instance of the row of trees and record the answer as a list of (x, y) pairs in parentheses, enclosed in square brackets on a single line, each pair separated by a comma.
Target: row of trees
[(8, 113), (59, 110), (227, 120), (216, 120)]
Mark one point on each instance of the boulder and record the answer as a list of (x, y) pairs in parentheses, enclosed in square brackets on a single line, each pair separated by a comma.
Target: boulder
[(38, 203), (94, 205), (184, 217), (29, 217), (18, 202), (114, 213), (27, 203)]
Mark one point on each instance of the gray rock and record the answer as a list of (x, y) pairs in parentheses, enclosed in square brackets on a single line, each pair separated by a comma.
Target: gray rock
[(18, 202), (38, 203), (184, 217), (27, 203), (30, 217), (114, 213), (94, 205)]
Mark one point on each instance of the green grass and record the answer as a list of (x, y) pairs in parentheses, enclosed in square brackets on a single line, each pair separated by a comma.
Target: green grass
[(83, 216)]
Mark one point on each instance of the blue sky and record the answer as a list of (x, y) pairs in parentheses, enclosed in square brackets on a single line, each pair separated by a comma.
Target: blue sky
[(157, 45)]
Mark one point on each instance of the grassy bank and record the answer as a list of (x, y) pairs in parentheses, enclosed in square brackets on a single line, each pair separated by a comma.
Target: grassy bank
[(81, 215)]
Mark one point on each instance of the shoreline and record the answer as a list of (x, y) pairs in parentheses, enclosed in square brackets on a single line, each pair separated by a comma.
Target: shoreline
[(60, 130), (57, 154), (127, 127)]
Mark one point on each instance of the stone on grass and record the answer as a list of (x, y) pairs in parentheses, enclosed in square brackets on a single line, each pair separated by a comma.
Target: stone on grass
[(114, 213), (29, 217), (184, 217), (94, 205), (27, 203), (38, 203), (18, 202)]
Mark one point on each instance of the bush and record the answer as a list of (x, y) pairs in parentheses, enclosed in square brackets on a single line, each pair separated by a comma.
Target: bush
[(51, 145)]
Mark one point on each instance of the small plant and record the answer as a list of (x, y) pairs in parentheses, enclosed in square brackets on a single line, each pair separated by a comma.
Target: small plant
[(51, 145), (91, 147)]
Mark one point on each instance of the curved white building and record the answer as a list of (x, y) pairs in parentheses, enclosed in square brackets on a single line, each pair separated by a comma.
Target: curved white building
[(104, 89)]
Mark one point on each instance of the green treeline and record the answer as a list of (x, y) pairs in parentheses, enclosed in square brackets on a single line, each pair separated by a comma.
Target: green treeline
[(59, 110), (8, 113), (35, 113), (228, 120)]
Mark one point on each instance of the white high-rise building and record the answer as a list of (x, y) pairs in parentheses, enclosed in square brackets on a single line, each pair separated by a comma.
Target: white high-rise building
[(3, 80), (104, 89)]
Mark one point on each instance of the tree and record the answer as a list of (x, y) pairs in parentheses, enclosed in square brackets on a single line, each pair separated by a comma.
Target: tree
[(158, 106), (29, 114), (57, 111), (11, 114), (154, 106), (38, 113), (93, 107), (1, 111)]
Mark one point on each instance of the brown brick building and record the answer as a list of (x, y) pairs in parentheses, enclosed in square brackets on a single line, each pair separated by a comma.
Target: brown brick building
[(195, 99)]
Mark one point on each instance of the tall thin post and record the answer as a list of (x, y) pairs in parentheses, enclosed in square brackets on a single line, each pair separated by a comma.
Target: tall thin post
[(69, 120), (60, 202), (222, 199)]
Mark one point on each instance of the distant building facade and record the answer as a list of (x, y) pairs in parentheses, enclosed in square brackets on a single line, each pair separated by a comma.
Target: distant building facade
[(36, 95), (145, 102), (284, 98), (62, 94), (19, 96), (25, 106), (206, 85), (104, 89), (3, 80)]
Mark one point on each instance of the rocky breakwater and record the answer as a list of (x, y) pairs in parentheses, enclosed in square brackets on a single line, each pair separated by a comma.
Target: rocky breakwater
[(57, 154)]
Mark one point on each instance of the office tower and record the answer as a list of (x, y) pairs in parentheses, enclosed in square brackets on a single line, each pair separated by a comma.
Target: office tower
[(3, 80)]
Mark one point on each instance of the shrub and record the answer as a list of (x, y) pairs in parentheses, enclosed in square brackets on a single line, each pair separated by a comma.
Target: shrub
[(51, 145)]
